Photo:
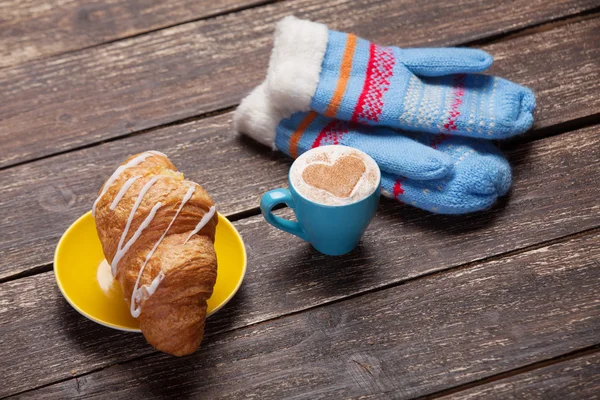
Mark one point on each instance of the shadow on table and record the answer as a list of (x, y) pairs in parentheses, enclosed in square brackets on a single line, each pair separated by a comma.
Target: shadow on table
[(95, 340), (415, 218), (517, 153), (228, 317), (312, 278)]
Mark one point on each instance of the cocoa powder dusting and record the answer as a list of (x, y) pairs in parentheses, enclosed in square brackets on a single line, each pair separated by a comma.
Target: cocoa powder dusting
[(339, 179)]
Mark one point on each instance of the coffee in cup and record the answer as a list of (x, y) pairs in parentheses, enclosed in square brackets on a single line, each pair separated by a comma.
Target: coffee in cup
[(334, 192), (334, 175)]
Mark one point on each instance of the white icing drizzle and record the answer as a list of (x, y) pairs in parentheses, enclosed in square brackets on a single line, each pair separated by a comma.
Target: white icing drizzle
[(121, 250), (123, 190), (207, 217), (154, 284), (131, 163), (147, 291), (104, 276)]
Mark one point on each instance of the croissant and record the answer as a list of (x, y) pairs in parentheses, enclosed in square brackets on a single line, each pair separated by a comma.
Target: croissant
[(157, 232)]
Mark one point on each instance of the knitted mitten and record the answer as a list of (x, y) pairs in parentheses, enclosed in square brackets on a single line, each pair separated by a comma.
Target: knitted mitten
[(429, 90), (481, 174), (439, 173)]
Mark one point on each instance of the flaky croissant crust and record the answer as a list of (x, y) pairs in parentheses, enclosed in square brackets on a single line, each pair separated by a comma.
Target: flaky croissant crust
[(172, 318)]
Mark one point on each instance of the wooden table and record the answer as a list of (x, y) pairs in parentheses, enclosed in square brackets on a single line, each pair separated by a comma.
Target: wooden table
[(498, 304)]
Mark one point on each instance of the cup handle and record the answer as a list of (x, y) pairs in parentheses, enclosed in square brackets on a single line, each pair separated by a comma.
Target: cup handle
[(280, 196)]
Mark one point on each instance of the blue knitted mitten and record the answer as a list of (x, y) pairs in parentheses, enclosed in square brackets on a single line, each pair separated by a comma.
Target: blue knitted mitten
[(481, 174), (440, 173), (429, 90)]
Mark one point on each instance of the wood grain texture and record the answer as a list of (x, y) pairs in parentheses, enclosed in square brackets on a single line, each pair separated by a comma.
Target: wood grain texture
[(39, 200), (550, 199), (38, 327), (30, 29), (398, 343), (194, 68), (574, 379)]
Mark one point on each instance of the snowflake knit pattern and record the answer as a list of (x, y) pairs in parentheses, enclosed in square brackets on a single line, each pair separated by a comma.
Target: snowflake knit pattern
[(435, 90), (439, 173)]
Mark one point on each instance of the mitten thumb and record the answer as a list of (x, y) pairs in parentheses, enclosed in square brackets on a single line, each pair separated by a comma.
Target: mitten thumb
[(445, 61)]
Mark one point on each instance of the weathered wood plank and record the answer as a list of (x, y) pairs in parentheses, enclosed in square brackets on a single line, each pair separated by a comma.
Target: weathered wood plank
[(187, 70), (39, 200), (574, 379), (39, 328), (550, 199), (400, 343), (30, 29)]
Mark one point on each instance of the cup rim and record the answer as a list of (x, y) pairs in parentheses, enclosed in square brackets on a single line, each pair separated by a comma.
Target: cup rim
[(376, 188)]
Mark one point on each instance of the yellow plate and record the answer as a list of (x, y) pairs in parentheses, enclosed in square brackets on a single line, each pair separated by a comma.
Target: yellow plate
[(79, 253)]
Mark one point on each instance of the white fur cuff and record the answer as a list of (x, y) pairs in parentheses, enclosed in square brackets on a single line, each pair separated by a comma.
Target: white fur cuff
[(295, 63), (257, 118)]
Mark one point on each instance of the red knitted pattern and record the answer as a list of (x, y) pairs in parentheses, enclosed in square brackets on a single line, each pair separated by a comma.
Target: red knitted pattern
[(377, 82), (458, 92), (332, 133), (398, 190)]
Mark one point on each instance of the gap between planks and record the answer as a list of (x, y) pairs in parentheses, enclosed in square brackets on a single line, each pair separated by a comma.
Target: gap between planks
[(160, 28), (531, 136), (183, 121), (514, 372), (551, 131), (510, 34), (453, 390), (533, 366), (76, 377), (40, 269), (534, 135), (539, 134), (251, 212), (536, 28)]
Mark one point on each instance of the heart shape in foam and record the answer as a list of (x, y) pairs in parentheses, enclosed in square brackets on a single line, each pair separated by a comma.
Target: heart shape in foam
[(339, 179)]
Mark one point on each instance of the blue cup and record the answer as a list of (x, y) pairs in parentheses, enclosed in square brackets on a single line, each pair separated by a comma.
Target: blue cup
[(331, 229)]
